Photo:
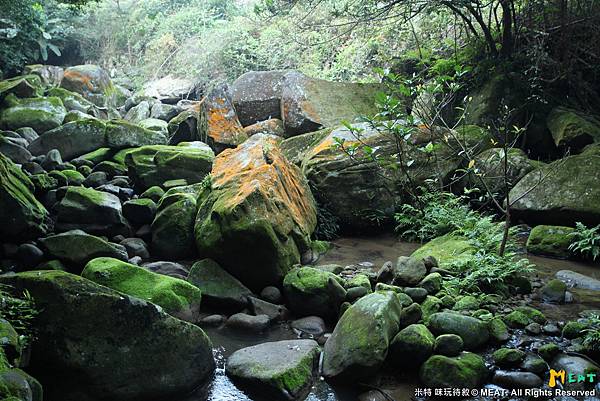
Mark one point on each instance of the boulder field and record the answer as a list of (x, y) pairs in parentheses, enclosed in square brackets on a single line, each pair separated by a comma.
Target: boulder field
[(133, 224)]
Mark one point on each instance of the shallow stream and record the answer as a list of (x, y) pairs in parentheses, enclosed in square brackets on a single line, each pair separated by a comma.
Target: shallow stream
[(374, 251)]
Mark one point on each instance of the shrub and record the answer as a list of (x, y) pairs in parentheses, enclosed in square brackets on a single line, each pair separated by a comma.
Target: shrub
[(586, 241), (20, 311)]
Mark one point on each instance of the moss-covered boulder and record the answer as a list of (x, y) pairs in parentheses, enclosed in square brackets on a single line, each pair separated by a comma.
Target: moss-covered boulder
[(173, 225), (219, 288), (572, 129), (355, 189), (551, 195), (42, 113), (16, 385), (311, 291), (72, 139), (414, 343), (467, 370), (92, 211), (309, 104), (508, 357), (154, 165), (361, 339), (22, 217), (80, 324), (473, 331), (281, 370), (554, 291), (73, 101), (178, 297), (90, 81), (77, 248), (550, 240), (257, 218), (448, 250)]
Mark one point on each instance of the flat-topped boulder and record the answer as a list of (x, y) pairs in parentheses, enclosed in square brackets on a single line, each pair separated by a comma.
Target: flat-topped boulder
[(258, 217), (572, 129), (103, 344), (281, 370), (40, 113), (154, 165), (79, 137), (309, 104)]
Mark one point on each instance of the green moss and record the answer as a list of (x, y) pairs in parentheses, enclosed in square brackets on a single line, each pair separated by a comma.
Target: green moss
[(73, 177), (448, 250), (498, 330), (574, 330), (550, 240), (172, 294), (360, 280), (517, 320), (548, 351), (98, 155), (532, 313), (43, 183), (430, 306), (41, 114), (568, 126), (468, 302), (467, 370), (507, 357), (414, 343)]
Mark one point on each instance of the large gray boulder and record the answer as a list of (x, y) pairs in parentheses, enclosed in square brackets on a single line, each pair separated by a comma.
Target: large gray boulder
[(42, 114), (552, 195), (218, 287), (309, 104), (94, 343), (90, 81), (257, 96), (281, 370), (360, 341)]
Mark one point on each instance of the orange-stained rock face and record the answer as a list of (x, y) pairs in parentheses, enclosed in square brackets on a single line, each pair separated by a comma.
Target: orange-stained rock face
[(260, 214), (223, 126), (90, 81), (259, 167)]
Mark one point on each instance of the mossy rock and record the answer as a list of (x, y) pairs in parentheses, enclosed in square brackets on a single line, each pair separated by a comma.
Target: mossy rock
[(74, 177), (43, 183), (572, 129), (173, 225), (77, 248), (467, 302), (508, 357), (448, 250), (23, 217), (42, 114), (72, 101), (550, 240), (360, 341), (359, 280), (548, 351), (448, 345), (532, 313), (474, 332), (573, 330), (554, 291), (432, 283), (25, 86), (154, 165), (259, 215), (179, 298), (296, 147), (561, 200), (281, 370), (467, 370), (90, 320), (498, 330), (95, 212), (311, 291), (219, 288), (72, 139), (414, 343), (431, 305)]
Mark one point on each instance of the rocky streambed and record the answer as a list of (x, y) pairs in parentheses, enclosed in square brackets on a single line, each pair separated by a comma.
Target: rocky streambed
[(155, 246)]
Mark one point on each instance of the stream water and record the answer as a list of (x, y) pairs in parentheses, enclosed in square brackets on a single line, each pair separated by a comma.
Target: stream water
[(374, 251)]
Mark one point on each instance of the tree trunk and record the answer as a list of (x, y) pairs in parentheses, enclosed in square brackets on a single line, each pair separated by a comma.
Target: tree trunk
[(507, 28)]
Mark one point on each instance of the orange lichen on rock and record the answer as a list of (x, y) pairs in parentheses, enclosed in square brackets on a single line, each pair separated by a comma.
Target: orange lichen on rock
[(223, 127), (257, 168), (77, 78)]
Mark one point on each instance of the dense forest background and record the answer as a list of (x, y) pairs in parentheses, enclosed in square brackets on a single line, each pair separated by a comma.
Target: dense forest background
[(551, 44)]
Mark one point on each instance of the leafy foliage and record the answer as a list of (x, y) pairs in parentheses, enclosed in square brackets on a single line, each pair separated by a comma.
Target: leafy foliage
[(20, 312), (586, 241)]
